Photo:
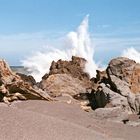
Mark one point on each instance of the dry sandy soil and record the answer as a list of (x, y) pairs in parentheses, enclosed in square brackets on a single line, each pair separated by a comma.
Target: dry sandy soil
[(42, 120)]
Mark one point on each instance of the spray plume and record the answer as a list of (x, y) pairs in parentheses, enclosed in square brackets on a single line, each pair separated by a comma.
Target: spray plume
[(132, 53), (78, 44)]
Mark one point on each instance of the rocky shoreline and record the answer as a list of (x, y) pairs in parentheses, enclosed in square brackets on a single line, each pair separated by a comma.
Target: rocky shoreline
[(113, 95)]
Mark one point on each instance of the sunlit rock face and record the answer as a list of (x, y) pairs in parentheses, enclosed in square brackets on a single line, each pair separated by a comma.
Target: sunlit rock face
[(126, 70), (66, 77), (17, 87)]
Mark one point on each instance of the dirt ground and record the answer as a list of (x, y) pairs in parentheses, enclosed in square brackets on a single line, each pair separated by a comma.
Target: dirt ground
[(42, 120)]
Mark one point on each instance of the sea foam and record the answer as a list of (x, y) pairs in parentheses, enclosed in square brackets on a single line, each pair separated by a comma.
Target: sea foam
[(78, 44)]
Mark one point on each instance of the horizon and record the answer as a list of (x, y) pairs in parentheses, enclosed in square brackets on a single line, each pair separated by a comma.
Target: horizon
[(29, 26)]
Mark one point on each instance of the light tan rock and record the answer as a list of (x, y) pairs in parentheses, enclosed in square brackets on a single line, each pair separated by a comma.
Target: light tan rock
[(12, 87)]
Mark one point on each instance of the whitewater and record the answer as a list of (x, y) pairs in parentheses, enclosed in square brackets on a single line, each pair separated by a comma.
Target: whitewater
[(77, 43)]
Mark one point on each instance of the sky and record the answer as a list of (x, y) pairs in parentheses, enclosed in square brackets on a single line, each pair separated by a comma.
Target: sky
[(29, 25)]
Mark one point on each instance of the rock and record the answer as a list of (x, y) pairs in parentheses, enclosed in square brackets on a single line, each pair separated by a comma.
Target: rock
[(75, 68), (124, 78), (113, 114), (135, 79), (59, 84), (3, 90), (115, 99), (105, 97), (13, 87), (6, 75), (134, 102), (137, 103), (27, 78), (115, 87), (131, 100), (134, 123), (119, 86), (101, 77), (66, 77), (86, 108), (126, 70)]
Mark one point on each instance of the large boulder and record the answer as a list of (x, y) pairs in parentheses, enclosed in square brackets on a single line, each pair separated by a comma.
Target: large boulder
[(66, 77), (60, 84), (124, 78), (118, 86), (126, 70), (13, 87)]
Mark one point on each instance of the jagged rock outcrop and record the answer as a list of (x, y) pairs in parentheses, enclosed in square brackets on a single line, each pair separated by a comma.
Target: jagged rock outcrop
[(126, 70), (124, 76), (120, 82), (66, 77), (12, 87), (114, 87), (117, 86), (75, 68)]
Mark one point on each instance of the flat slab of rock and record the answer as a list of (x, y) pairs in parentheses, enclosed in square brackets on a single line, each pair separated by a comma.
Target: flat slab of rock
[(59, 84)]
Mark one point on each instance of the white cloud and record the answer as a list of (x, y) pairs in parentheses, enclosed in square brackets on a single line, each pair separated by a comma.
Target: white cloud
[(116, 43), (23, 44)]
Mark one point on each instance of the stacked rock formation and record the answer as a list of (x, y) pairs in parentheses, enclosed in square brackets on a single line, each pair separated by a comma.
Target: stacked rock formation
[(66, 77), (13, 87), (117, 86), (120, 83)]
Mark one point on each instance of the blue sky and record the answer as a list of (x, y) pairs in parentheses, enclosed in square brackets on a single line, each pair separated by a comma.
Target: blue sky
[(28, 25)]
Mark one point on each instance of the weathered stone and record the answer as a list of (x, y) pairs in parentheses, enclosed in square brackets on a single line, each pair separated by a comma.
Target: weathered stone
[(27, 78), (6, 75), (135, 79), (115, 99), (75, 68), (113, 114), (131, 101), (66, 77), (10, 84), (119, 85), (137, 103), (59, 84), (126, 70)]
